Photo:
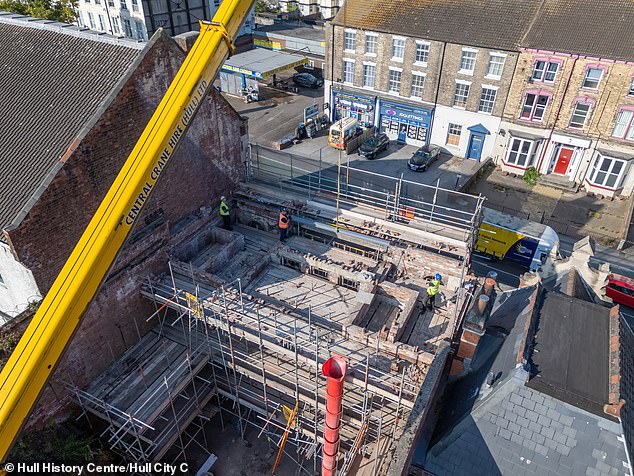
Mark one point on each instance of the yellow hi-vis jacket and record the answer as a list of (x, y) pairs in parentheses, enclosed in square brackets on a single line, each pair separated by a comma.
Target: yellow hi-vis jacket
[(433, 288), (224, 208)]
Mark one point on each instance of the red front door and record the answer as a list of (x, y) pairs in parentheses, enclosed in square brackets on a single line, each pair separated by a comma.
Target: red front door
[(563, 160)]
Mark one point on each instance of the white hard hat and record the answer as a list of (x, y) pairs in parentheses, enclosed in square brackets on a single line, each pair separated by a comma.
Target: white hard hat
[(223, 197)]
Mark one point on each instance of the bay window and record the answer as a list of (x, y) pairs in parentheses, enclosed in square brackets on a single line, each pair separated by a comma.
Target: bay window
[(607, 172), (521, 152)]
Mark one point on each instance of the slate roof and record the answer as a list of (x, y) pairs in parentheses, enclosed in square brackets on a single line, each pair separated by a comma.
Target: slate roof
[(571, 355), (493, 423), (53, 78), (496, 24), (601, 28), (519, 431)]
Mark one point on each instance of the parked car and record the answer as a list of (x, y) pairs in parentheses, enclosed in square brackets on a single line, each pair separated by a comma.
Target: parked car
[(423, 158), (621, 290), (372, 146), (307, 80)]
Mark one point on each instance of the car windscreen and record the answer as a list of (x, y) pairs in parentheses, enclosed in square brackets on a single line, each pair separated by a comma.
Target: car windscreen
[(420, 157), (371, 142), (335, 133)]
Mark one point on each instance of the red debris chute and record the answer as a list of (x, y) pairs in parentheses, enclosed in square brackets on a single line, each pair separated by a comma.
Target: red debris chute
[(335, 370)]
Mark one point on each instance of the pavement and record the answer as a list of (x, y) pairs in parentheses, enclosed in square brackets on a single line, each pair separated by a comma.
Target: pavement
[(278, 112), (448, 172), (574, 215)]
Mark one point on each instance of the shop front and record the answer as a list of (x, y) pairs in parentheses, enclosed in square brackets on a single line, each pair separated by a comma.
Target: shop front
[(360, 107), (404, 123)]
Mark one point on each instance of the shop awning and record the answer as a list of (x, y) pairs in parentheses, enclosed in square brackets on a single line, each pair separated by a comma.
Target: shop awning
[(262, 63)]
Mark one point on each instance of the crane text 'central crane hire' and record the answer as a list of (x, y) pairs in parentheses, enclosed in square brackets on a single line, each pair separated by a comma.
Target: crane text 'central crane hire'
[(173, 141)]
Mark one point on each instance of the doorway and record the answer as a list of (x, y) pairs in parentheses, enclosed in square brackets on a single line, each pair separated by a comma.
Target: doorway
[(563, 161)]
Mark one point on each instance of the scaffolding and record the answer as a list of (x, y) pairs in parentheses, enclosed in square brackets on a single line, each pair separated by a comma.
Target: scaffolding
[(256, 360), (219, 351)]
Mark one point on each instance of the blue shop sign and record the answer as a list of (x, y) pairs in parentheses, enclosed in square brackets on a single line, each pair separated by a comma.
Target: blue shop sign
[(404, 113), (358, 103)]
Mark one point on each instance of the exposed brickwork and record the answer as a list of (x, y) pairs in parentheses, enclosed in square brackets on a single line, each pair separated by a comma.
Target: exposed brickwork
[(451, 68), (614, 384), (207, 164)]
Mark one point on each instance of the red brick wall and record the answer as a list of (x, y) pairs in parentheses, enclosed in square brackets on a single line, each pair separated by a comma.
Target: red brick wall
[(207, 164)]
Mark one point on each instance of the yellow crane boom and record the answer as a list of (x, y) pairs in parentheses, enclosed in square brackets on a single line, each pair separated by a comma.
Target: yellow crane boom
[(57, 318)]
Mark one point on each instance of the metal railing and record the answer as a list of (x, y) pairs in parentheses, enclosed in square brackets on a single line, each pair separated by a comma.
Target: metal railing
[(398, 199)]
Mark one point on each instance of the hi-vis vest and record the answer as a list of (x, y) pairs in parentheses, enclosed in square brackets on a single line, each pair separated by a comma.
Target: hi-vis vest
[(283, 222), (433, 288), (224, 208)]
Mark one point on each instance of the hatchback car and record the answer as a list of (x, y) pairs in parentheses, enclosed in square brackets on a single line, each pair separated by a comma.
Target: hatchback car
[(372, 146), (423, 158), (307, 80), (621, 290)]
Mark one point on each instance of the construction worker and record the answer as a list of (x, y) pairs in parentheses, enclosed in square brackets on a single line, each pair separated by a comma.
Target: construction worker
[(432, 289), (224, 213), (283, 224)]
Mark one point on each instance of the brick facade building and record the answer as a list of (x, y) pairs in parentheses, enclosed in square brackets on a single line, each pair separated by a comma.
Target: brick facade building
[(570, 109), (569, 116), (41, 237), (421, 80), (535, 91)]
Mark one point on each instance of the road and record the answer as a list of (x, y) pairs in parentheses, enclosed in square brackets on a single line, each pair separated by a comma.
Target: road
[(451, 208), (267, 125)]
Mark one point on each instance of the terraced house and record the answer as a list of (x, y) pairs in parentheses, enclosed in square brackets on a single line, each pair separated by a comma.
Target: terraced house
[(426, 71), (570, 112)]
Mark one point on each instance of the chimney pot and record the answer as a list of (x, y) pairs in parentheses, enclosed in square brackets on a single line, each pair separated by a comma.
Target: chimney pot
[(483, 301)]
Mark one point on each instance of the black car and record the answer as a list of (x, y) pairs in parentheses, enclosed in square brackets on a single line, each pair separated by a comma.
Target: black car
[(423, 158), (372, 146), (307, 80)]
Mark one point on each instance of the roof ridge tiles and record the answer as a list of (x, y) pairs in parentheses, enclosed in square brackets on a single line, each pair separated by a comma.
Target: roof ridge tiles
[(67, 29)]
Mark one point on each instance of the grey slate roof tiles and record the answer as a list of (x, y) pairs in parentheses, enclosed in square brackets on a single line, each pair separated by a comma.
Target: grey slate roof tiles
[(487, 23), (51, 82), (520, 431), (602, 28)]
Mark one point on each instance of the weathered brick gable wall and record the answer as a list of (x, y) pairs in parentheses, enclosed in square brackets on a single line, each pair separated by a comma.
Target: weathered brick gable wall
[(207, 164)]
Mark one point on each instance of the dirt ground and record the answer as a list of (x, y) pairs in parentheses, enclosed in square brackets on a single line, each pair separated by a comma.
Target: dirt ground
[(235, 458)]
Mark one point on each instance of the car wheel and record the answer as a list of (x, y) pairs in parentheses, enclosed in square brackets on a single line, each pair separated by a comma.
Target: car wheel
[(424, 169)]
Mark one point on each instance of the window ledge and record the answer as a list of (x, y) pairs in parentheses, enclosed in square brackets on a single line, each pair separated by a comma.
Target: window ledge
[(491, 76), (462, 108), (420, 63), (622, 140), (396, 60), (585, 88), (373, 55), (394, 93), (466, 72), (485, 113), (348, 51)]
